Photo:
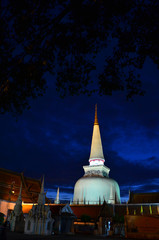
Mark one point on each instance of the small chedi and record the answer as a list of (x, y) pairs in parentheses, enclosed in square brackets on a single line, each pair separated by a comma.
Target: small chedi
[(39, 220), (57, 199), (95, 186), (16, 217)]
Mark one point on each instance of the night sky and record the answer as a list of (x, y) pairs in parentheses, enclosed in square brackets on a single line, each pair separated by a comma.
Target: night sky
[(54, 138)]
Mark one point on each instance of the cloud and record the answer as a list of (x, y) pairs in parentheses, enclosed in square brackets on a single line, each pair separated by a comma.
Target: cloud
[(136, 146), (151, 185)]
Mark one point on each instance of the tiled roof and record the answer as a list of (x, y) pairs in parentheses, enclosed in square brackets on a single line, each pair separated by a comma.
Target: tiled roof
[(152, 197), (10, 185)]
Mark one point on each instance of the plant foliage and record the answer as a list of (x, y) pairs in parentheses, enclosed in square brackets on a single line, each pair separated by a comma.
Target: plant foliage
[(85, 46)]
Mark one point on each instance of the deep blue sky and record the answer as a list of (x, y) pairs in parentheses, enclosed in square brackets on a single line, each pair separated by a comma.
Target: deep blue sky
[(54, 138)]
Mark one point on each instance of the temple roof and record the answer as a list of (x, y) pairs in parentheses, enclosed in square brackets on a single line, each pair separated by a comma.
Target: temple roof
[(10, 185), (151, 197)]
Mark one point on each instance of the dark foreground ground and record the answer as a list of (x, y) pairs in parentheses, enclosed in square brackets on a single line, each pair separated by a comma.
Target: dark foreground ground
[(20, 236)]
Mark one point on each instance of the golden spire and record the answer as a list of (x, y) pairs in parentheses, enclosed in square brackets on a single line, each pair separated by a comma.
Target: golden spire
[(96, 155), (96, 118)]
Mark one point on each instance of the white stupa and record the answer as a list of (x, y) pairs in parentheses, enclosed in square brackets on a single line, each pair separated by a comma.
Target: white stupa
[(95, 186)]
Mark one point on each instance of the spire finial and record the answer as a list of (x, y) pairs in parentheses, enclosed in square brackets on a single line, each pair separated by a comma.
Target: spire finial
[(18, 205), (42, 185), (96, 119), (41, 198), (20, 192)]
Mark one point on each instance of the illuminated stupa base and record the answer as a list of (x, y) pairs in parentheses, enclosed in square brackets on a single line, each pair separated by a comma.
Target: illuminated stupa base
[(95, 186)]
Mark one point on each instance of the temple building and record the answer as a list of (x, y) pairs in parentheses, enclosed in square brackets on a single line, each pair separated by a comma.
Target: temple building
[(95, 186), (149, 197), (10, 183)]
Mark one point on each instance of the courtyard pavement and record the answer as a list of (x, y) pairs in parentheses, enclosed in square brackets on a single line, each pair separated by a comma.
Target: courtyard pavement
[(20, 236)]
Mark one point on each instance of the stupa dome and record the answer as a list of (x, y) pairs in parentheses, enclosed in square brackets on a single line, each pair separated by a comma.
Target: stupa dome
[(95, 186), (96, 190)]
